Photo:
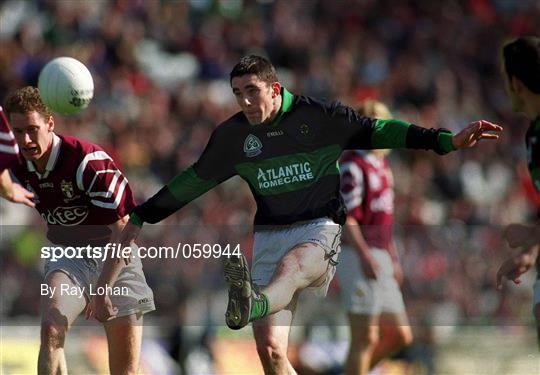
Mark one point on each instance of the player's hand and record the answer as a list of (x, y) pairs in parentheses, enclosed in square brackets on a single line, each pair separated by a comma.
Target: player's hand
[(370, 267), (519, 235), (127, 239), (101, 308), (398, 272), (474, 132), (21, 195), (514, 267)]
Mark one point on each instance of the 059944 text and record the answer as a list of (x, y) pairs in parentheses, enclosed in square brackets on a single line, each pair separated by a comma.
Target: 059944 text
[(208, 251)]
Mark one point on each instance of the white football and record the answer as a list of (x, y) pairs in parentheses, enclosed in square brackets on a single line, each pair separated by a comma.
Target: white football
[(66, 85)]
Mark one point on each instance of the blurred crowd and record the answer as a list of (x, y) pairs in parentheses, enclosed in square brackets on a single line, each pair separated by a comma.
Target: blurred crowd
[(161, 70)]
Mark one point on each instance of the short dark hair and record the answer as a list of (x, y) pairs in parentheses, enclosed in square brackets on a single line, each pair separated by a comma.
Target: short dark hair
[(522, 60), (26, 100), (258, 65)]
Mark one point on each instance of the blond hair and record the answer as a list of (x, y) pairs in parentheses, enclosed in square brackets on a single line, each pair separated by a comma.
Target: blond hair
[(374, 108)]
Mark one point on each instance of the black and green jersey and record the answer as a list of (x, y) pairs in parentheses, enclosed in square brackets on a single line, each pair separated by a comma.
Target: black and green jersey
[(290, 164)]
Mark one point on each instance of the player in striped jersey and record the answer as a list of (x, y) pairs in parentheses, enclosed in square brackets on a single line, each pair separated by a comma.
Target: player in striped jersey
[(9, 156), (369, 272), (85, 200)]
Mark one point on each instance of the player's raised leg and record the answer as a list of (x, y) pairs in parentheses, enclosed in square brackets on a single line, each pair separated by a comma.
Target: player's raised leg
[(124, 337), (303, 266), (58, 311)]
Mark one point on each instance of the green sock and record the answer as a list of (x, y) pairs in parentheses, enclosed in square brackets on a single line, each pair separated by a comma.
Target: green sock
[(259, 307)]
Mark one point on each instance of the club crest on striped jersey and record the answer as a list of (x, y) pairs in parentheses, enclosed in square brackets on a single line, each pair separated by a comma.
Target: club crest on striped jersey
[(252, 146), (67, 188)]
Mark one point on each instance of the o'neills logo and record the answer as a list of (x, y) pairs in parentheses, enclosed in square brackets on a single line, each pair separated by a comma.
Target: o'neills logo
[(287, 174), (67, 216)]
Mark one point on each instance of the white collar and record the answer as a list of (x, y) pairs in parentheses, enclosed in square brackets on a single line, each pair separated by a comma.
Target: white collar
[(53, 157)]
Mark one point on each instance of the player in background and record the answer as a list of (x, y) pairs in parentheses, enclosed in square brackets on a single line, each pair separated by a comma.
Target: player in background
[(9, 156), (369, 272), (521, 59), (286, 147), (85, 200)]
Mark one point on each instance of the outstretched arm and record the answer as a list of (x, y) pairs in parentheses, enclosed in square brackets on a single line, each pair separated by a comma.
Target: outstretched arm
[(358, 132), (396, 133)]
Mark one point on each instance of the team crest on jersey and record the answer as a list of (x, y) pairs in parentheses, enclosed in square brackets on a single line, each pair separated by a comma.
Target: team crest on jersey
[(252, 146), (306, 133), (67, 188), (304, 129)]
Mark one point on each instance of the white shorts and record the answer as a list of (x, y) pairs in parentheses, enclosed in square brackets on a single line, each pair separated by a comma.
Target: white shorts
[(270, 246), (84, 273), (365, 296)]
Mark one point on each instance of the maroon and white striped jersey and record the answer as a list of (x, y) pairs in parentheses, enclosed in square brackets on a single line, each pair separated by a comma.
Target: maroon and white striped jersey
[(79, 194), (9, 151), (367, 189)]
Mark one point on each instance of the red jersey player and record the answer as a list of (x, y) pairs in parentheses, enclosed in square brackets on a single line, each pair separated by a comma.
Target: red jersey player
[(9, 156), (369, 272), (84, 199)]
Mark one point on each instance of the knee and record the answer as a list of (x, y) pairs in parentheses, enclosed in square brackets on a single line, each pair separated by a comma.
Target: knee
[(271, 352), (53, 334)]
